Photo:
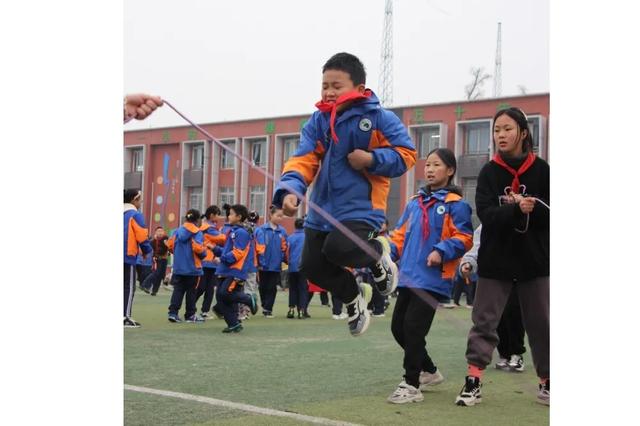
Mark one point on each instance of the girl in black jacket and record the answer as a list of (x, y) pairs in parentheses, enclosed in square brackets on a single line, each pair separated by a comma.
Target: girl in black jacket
[(512, 198)]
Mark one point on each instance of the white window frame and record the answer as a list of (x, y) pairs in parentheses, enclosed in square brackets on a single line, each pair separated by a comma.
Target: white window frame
[(225, 155), (459, 147), (257, 190), (542, 134), (198, 147), (411, 184), (263, 155), (191, 191), (226, 191)]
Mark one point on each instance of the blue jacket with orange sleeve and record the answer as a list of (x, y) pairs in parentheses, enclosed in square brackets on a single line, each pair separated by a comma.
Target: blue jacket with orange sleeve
[(450, 232), (271, 247), (215, 237), (294, 246), (348, 194), (233, 261), (135, 234), (188, 250)]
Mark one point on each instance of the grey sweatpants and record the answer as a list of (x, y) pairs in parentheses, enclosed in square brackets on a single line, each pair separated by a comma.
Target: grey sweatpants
[(490, 299), (251, 285)]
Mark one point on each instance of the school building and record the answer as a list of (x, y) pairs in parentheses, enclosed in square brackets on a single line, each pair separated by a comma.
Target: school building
[(178, 169)]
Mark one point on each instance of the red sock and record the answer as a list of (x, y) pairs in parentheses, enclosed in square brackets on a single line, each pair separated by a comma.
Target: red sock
[(474, 371)]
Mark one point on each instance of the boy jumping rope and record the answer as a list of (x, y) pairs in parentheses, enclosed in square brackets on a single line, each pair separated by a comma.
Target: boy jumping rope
[(349, 149)]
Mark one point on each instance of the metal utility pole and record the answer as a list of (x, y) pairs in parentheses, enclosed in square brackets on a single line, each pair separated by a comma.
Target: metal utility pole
[(497, 72), (386, 64)]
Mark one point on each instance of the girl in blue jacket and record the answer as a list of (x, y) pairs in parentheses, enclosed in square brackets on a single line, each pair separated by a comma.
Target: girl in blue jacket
[(187, 244), (433, 233)]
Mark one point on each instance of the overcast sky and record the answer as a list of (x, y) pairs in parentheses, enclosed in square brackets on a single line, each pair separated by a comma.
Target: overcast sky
[(229, 60)]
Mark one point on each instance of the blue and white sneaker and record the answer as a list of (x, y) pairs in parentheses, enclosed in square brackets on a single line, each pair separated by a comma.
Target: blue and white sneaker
[(174, 318), (254, 304), (194, 319), (385, 272), (235, 329)]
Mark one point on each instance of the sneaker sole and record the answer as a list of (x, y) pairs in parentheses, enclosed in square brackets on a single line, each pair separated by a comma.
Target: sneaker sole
[(386, 250), (406, 401), (462, 403), (131, 326), (368, 294)]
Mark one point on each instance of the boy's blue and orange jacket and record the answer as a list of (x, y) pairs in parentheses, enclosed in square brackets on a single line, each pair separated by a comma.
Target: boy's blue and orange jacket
[(348, 194), (142, 261), (233, 261), (295, 242), (271, 247), (187, 245), (215, 237), (136, 236), (450, 233)]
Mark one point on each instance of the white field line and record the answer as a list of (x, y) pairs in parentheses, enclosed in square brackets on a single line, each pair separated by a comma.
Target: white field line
[(238, 406)]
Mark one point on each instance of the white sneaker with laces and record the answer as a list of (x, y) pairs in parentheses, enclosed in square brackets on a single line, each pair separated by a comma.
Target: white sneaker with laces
[(405, 393), (516, 363), (430, 379), (502, 364)]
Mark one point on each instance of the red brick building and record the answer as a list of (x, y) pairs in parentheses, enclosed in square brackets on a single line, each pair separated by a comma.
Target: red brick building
[(178, 169)]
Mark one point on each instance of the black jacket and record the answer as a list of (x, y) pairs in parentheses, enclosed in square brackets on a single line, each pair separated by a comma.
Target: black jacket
[(505, 253)]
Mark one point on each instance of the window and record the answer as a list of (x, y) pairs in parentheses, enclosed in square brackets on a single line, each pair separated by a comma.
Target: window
[(534, 128), (197, 156), (258, 153), (195, 198), (477, 137), (256, 199), (227, 195), (427, 139), (289, 147), (137, 163), (227, 159)]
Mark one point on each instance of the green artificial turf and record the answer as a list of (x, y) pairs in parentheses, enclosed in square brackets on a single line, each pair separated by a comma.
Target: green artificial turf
[(312, 367)]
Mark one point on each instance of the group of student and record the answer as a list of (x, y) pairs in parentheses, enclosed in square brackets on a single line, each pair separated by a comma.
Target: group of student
[(350, 149)]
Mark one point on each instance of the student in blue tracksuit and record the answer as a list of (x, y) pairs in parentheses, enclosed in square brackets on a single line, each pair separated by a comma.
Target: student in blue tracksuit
[(433, 233), (232, 271), (144, 266), (349, 149), (135, 240), (214, 240), (271, 248), (188, 248), (298, 288)]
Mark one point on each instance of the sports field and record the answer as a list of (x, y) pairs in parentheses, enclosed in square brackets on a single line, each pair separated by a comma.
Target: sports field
[(312, 367)]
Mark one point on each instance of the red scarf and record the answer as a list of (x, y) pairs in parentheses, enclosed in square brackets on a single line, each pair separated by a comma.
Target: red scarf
[(425, 216), (333, 106), (515, 183)]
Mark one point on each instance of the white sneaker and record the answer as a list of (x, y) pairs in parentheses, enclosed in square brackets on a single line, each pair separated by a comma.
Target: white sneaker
[(343, 315), (429, 379), (405, 393), (502, 364), (359, 318), (337, 317), (516, 363), (448, 305), (385, 272)]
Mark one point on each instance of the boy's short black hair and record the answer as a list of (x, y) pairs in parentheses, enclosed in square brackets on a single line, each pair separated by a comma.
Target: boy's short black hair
[(348, 63), (241, 211), (299, 223), (211, 210)]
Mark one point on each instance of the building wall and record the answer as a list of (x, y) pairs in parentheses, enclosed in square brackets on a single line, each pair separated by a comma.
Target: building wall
[(166, 196)]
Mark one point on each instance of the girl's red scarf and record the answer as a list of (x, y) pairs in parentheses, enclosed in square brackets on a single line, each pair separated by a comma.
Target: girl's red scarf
[(333, 106), (515, 183), (425, 216)]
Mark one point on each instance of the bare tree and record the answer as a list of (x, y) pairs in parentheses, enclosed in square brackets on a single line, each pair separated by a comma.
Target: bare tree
[(473, 90), (522, 89)]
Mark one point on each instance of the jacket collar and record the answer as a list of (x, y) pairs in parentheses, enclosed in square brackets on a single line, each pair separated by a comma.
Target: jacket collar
[(129, 206)]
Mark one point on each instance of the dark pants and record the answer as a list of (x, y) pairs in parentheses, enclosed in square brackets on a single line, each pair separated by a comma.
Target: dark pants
[(459, 287), (142, 272), (511, 329), (336, 305), (326, 254), (184, 286), (207, 286), (230, 292), (298, 291), (410, 324), (153, 280), (268, 288), (129, 288), (324, 298), (489, 304)]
